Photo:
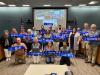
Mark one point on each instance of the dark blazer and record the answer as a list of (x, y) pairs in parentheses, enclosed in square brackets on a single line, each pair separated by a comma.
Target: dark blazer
[(2, 41)]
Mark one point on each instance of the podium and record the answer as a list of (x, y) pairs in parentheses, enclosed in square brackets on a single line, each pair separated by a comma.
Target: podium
[(2, 55), (98, 56), (46, 69)]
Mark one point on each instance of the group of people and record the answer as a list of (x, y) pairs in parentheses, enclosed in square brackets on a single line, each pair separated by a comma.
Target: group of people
[(30, 42)]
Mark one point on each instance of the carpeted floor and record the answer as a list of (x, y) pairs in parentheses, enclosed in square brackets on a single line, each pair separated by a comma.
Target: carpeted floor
[(78, 67)]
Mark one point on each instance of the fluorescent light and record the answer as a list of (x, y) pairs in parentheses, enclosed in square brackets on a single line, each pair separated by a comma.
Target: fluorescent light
[(2, 3), (93, 2), (25, 5), (82, 4), (46, 5), (12, 5), (67, 5)]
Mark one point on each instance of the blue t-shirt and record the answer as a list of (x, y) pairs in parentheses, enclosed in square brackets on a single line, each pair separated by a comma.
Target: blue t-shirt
[(95, 35)]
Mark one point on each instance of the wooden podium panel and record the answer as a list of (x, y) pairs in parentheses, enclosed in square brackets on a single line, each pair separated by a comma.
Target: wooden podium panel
[(46, 69), (2, 55), (98, 56)]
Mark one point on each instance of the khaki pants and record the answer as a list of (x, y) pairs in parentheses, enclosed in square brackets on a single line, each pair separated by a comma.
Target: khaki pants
[(36, 59), (92, 53), (7, 53), (85, 46)]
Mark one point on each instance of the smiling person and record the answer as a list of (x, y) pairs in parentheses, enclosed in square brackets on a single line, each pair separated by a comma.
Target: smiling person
[(93, 44), (35, 49), (6, 42), (74, 39), (50, 57), (20, 53)]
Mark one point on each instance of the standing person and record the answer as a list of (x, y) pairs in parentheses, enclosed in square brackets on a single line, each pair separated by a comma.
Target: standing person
[(85, 43), (20, 54), (42, 30), (34, 31), (48, 34), (28, 39), (59, 29), (14, 32), (74, 39), (23, 31), (93, 44), (35, 49), (6, 42)]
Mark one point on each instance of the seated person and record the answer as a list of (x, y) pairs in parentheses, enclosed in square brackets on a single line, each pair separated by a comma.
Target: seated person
[(65, 59), (35, 49), (64, 47), (20, 53), (49, 57)]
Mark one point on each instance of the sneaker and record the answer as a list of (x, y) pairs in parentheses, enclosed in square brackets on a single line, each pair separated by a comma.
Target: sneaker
[(87, 62), (7, 59)]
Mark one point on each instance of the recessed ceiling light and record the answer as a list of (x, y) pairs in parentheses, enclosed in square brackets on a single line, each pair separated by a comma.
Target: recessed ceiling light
[(12, 5), (2, 3), (46, 5), (25, 5), (82, 4), (93, 2), (67, 5)]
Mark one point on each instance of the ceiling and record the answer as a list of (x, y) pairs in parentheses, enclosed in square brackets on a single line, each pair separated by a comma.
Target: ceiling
[(53, 3)]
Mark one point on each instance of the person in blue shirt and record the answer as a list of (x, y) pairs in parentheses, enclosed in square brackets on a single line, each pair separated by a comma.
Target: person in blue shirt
[(42, 30), (93, 44), (85, 43)]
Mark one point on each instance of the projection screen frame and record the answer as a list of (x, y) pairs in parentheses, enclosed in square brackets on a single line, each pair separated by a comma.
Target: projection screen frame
[(65, 8)]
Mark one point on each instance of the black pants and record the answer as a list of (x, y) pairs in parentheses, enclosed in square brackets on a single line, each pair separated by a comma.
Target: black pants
[(65, 60), (28, 46)]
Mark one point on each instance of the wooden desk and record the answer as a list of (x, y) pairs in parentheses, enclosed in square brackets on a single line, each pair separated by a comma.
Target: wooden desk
[(98, 56), (2, 55), (46, 69)]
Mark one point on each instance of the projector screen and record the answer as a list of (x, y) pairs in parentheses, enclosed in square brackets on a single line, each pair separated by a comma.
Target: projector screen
[(49, 17)]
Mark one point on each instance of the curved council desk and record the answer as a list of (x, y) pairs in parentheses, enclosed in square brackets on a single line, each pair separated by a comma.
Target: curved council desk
[(46, 69)]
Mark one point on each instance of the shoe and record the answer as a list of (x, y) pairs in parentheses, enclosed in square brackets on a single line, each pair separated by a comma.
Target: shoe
[(93, 64), (87, 62), (7, 59), (16, 63)]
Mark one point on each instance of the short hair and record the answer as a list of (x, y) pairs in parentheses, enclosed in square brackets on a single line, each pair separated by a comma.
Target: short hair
[(93, 25), (18, 38), (36, 38), (50, 42), (6, 31), (29, 30)]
